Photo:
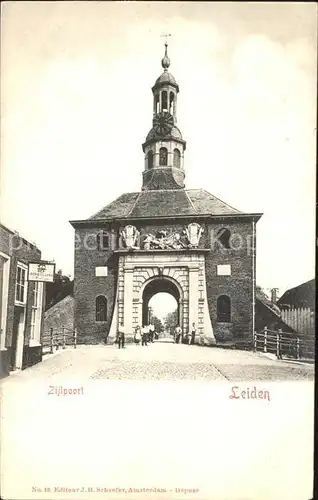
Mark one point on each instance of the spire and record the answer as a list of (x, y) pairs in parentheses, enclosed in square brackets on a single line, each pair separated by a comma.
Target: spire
[(165, 61)]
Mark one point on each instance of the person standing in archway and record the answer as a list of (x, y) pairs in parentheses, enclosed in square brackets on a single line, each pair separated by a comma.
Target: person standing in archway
[(151, 332), (178, 332), (121, 337), (144, 335), (193, 332), (137, 337)]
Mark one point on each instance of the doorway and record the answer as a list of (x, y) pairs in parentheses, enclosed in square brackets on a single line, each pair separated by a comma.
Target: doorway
[(161, 287), (17, 338)]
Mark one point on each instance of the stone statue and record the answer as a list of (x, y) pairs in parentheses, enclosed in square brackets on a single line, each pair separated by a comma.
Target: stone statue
[(130, 236), (193, 233)]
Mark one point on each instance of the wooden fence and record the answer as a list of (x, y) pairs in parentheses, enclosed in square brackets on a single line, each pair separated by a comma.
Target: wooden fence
[(302, 320), (284, 344), (56, 339)]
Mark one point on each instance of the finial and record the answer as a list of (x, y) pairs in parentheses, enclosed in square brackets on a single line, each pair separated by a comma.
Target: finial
[(165, 62)]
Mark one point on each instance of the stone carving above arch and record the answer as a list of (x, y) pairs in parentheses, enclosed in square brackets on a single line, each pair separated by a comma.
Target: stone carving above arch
[(130, 237), (164, 240), (193, 234)]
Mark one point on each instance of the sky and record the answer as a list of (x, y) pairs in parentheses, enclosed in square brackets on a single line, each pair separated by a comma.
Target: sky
[(76, 105)]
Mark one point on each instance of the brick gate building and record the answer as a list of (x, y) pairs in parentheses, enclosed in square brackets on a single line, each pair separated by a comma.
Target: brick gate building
[(165, 238)]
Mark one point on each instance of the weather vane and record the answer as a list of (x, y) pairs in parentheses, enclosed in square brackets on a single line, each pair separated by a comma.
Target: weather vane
[(165, 35)]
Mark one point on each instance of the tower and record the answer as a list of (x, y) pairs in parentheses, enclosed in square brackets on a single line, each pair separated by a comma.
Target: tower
[(164, 146)]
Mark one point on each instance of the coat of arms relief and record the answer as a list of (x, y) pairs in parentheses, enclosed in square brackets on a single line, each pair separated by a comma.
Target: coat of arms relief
[(189, 237)]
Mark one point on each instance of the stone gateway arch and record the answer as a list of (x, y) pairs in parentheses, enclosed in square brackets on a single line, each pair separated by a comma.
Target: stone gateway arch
[(143, 274), (186, 242)]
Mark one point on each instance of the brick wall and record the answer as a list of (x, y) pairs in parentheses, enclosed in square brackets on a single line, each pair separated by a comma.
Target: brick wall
[(87, 286), (238, 286)]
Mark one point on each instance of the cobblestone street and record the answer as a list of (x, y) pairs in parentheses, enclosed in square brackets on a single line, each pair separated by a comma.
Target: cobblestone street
[(163, 361)]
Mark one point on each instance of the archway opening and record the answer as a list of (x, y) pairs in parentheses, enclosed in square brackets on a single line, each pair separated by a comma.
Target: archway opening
[(161, 305)]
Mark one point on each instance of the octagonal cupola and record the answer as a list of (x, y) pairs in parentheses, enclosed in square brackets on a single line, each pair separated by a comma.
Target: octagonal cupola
[(164, 147)]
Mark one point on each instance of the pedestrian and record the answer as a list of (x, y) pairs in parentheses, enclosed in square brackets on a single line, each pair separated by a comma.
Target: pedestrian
[(144, 335), (137, 337), (151, 332), (193, 332), (121, 337), (178, 332)]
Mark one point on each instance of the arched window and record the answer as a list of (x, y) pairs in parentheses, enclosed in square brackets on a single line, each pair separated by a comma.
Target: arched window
[(176, 158), (163, 156), (164, 97), (156, 104), (101, 308), (171, 103), (150, 159), (102, 240), (223, 309), (223, 237)]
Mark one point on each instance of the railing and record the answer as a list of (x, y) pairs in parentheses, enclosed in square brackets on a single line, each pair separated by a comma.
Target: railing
[(56, 339), (284, 344)]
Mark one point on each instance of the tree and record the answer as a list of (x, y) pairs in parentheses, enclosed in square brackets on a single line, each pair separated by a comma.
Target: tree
[(171, 321), (157, 323)]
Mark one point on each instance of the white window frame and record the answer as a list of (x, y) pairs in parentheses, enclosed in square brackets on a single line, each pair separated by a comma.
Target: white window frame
[(4, 298), (224, 270), (25, 287), (36, 314), (103, 270)]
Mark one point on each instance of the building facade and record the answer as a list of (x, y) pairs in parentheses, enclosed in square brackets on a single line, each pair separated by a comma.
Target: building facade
[(165, 238), (21, 303)]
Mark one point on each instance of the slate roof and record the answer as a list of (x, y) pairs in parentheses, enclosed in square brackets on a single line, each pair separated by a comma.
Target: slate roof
[(164, 203)]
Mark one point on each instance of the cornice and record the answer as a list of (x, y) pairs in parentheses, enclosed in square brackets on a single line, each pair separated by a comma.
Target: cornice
[(196, 217)]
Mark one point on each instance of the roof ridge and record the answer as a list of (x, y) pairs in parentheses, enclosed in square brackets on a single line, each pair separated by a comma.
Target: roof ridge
[(272, 310), (219, 199), (134, 204), (191, 202), (113, 201), (297, 286)]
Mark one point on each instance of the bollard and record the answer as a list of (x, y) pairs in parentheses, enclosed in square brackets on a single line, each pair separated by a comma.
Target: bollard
[(75, 338), (63, 333)]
